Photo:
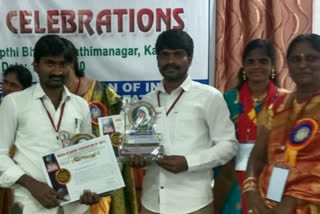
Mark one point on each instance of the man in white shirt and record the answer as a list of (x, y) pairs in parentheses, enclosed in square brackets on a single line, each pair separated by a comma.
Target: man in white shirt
[(200, 132), (31, 119), (15, 78)]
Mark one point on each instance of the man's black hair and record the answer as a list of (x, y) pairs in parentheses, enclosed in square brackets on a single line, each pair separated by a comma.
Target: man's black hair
[(72, 51), (51, 45), (174, 39)]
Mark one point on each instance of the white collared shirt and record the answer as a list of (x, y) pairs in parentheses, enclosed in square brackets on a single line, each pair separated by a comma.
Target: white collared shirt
[(25, 123), (199, 128)]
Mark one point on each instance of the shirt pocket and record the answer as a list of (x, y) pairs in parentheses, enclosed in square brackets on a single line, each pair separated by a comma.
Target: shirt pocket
[(71, 123), (188, 125)]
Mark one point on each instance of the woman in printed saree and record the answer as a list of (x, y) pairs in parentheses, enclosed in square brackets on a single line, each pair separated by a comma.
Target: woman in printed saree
[(103, 101), (283, 174), (247, 103)]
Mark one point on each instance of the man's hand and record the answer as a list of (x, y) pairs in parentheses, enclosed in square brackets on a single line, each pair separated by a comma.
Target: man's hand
[(137, 161), (89, 197), (174, 163), (47, 196)]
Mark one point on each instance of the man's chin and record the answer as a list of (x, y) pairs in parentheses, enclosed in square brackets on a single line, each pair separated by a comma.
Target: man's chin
[(55, 85), (170, 75), (173, 78)]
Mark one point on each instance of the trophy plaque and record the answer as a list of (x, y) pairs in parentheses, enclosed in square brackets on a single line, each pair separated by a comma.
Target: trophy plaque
[(112, 126)]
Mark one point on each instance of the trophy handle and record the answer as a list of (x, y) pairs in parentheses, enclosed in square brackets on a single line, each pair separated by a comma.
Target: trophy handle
[(81, 136)]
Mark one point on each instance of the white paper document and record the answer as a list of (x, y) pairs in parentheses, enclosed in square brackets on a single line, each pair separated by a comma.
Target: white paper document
[(277, 183), (90, 165), (243, 156)]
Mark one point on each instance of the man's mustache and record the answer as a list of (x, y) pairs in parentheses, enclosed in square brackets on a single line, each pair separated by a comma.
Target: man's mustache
[(56, 76), (171, 66)]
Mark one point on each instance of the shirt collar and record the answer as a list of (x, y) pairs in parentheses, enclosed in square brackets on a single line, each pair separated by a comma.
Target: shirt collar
[(186, 85), (39, 93)]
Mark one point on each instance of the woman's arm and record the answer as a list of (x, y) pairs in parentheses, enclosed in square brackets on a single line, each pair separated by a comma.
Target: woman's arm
[(259, 154), (257, 161)]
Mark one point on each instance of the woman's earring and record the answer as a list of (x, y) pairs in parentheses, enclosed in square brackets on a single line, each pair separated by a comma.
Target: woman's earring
[(273, 74), (244, 76)]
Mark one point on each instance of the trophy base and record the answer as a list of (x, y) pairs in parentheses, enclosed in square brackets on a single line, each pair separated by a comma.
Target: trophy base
[(152, 151)]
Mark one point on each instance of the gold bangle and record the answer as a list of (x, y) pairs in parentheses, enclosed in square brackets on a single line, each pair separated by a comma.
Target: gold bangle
[(249, 179), (250, 189), (249, 185)]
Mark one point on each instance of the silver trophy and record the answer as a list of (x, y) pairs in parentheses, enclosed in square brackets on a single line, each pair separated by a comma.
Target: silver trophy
[(140, 137)]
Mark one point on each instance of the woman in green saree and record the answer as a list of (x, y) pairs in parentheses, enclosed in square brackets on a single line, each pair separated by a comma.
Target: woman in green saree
[(247, 103)]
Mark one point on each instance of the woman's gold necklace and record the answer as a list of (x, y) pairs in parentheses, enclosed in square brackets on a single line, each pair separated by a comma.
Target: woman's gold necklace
[(259, 99)]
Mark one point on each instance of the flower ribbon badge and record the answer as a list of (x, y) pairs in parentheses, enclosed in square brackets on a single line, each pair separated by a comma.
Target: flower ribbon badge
[(97, 110), (301, 136)]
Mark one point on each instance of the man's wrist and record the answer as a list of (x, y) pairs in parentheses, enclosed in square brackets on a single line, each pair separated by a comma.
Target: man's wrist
[(26, 181)]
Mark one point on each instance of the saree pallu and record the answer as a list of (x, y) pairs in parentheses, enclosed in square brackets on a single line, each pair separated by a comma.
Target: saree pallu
[(108, 102), (304, 178)]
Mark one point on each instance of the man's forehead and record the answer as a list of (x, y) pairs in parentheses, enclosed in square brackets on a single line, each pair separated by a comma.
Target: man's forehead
[(173, 50), (59, 58)]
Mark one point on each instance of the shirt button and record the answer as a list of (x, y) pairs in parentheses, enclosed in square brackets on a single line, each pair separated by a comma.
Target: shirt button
[(161, 187)]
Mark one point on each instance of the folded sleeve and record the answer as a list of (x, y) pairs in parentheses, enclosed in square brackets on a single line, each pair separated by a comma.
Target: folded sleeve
[(85, 126), (222, 135), (9, 171)]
